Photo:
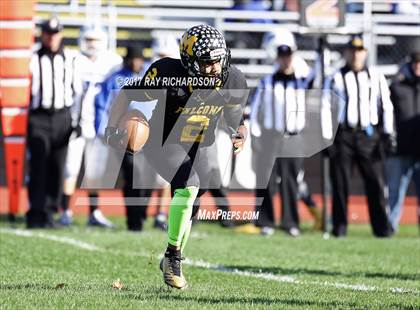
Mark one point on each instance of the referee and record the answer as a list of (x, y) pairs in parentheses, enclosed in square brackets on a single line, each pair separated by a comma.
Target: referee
[(278, 110), (55, 85), (365, 126)]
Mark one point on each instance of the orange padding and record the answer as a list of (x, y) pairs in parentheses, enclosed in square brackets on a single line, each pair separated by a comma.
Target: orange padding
[(14, 155), (16, 37), (14, 125), (16, 9), (14, 67), (14, 96)]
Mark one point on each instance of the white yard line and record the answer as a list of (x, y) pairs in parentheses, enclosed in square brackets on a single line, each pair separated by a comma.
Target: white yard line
[(206, 265), (66, 240)]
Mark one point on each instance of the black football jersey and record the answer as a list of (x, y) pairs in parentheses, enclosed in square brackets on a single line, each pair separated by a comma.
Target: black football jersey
[(188, 110)]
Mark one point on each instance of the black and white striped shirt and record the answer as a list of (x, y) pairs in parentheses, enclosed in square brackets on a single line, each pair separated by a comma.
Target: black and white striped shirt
[(363, 101), (279, 103), (56, 81)]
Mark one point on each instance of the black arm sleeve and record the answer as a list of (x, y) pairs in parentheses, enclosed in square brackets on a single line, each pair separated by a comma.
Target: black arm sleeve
[(236, 95)]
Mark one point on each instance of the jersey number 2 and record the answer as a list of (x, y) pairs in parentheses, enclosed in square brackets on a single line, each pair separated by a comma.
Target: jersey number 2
[(195, 128)]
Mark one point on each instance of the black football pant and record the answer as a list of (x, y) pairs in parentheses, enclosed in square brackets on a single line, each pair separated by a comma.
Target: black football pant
[(287, 169), (355, 147), (220, 195), (48, 137)]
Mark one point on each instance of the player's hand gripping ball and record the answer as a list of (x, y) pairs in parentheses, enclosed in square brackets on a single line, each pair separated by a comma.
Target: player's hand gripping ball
[(136, 127), (132, 132), (113, 137)]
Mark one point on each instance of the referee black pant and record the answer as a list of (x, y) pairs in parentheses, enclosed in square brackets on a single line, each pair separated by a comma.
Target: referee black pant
[(48, 137), (287, 170), (356, 147), (216, 188), (268, 169)]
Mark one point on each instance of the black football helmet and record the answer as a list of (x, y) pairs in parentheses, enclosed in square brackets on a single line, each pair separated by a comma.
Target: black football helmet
[(201, 45)]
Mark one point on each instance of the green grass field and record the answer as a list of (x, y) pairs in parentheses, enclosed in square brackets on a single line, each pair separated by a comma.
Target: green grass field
[(75, 268)]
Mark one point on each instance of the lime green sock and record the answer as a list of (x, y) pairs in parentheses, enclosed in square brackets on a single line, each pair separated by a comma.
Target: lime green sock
[(180, 211), (186, 236)]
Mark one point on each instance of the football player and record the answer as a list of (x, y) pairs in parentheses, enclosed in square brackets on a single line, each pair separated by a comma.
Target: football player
[(182, 120), (96, 62)]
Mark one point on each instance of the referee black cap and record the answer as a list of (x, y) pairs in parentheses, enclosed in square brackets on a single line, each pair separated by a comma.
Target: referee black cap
[(356, 42), (134, 51), (51, 25)]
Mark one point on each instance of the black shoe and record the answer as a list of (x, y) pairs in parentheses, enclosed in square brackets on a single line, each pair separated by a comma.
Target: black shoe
[(50, 223), (137, 226), (340, 231), (226, 223), (293, 232), (384, 234), (34, 225), (160, 222), (53, 225), (35, 219), (44, 225)]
